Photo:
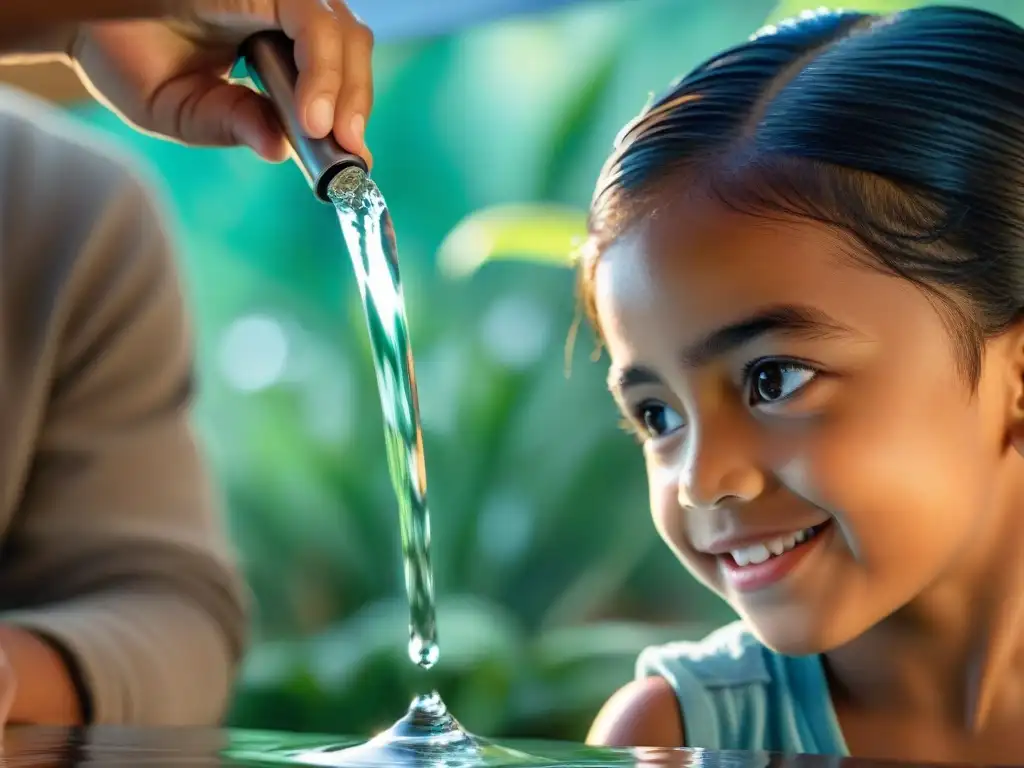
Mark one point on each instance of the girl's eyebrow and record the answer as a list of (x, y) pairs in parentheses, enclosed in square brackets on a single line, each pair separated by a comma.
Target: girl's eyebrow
[(620, 379), (796, 320)]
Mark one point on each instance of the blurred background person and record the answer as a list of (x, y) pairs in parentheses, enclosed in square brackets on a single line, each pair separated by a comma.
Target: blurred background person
[(119, 600)]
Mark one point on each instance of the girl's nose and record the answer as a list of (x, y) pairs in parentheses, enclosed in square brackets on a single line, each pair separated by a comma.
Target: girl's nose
[(719, 463)]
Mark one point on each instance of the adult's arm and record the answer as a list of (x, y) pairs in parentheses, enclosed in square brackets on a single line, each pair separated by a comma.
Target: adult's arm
[(115, 574), (44, 28)]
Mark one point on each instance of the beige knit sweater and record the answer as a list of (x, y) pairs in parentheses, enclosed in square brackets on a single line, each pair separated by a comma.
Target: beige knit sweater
[(110, 540)]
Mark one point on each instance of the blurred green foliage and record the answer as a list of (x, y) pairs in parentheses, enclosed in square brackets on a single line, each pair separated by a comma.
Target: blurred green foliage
[(548, 572)]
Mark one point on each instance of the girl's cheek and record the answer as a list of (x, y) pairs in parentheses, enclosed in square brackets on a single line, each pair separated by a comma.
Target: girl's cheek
[(803, 470), (666, 508), (663, 488), (810, 477), (853, 471)]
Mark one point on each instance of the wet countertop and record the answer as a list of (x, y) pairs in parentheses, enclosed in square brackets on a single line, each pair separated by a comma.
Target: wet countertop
[(147, 748)]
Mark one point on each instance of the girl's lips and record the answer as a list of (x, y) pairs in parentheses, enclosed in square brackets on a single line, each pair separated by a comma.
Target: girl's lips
[(752, 576)]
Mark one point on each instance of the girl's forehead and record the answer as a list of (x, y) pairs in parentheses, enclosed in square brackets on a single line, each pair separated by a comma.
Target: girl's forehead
[(708, 258), (703, 265)]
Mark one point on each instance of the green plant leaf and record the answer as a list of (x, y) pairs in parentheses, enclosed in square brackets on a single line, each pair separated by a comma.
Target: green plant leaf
[(541, 233), (571, 136), (788, 9)]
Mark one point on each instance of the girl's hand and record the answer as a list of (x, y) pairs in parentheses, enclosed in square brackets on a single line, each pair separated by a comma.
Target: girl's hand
[(168, 78)]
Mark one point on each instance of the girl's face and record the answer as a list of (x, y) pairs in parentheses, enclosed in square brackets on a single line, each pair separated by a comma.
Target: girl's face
[(814, 452)]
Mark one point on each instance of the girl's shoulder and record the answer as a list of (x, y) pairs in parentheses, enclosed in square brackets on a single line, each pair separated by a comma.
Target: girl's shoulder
[(735, 693)]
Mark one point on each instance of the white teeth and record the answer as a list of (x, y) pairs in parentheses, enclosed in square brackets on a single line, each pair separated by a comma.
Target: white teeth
[(781, 544), (759, 553)]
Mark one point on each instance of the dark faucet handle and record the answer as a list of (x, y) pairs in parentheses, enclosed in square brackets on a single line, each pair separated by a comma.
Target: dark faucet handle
[(269, 58)]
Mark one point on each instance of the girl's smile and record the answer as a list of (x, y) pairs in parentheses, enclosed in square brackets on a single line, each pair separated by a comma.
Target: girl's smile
[(750, 563)]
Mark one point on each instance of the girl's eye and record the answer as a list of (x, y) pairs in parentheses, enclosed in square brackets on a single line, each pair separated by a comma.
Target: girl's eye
[(772, 381), (658, 419)]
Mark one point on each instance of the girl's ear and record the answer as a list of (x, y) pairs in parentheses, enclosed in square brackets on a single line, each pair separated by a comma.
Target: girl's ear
[(1014, 352), (1017, 436)]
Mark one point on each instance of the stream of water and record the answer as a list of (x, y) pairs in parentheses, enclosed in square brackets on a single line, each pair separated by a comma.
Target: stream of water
[(370, 238), (427, 735)]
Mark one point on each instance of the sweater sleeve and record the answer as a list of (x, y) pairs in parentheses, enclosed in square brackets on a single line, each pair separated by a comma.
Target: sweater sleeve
[(113, 549)]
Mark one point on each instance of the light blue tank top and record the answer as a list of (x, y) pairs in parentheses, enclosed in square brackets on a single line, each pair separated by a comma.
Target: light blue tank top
[(735, 693)]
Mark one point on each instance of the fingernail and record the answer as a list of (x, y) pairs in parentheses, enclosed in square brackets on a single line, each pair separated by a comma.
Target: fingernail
[(320, 115), (358, 126)]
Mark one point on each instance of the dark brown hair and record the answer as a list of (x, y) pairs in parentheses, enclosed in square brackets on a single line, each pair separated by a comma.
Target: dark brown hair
[(903, 132)]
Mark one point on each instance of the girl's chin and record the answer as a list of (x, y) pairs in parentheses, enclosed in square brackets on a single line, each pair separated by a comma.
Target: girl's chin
[(798, 630), (792, 646)]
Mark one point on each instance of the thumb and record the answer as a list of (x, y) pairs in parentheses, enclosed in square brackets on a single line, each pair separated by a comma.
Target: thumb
[(8, 688), (202, 109)]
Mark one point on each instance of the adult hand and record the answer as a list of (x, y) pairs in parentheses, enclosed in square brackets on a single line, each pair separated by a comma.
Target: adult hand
[(8, 688), (169, 78)]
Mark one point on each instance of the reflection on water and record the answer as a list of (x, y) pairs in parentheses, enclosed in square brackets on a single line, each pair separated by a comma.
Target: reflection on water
[(36, 747), (550, 754)]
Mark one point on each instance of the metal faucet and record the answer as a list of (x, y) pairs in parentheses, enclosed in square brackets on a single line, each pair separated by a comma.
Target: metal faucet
[(270, 60)]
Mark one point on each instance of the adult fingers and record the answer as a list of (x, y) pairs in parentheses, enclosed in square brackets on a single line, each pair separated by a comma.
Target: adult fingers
[(8, 689), (332, 53), (202, 109), (356, 98), (319, 38)]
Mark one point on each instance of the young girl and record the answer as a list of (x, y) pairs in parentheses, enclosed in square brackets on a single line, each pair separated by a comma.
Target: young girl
[(806, 263)]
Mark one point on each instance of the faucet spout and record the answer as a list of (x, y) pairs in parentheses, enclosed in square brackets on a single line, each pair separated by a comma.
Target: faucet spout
[(270, 60)]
